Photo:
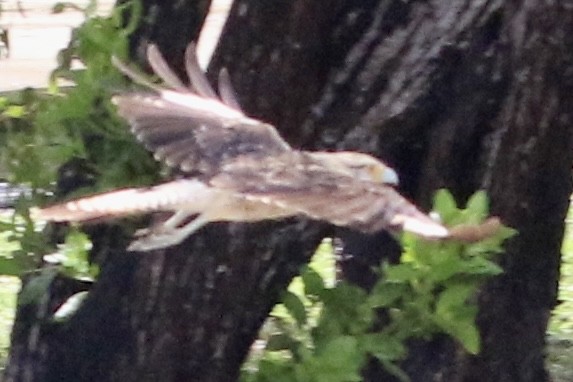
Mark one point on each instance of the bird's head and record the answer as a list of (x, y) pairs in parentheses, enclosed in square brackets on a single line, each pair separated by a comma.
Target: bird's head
[(360, 166)]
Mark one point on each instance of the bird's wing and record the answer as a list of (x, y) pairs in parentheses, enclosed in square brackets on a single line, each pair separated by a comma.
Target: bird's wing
[(296, 184), (191, 128)]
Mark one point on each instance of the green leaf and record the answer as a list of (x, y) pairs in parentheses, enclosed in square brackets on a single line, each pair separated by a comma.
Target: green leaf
[(453, 298), (313, 282), (345, 311), (491, 245), (445, 204), (466, 332), (295, 307), (480, 266), (12, 267), (14, 111), (401, 272), (477, 207), (505, 232), (337, 361), (443, 270), (386, 293), (384, 346), (324, 263), (75, 255), (456, 316)]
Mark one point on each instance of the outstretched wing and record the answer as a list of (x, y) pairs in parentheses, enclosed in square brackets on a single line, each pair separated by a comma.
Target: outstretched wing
[(299, 184), (190, 127)]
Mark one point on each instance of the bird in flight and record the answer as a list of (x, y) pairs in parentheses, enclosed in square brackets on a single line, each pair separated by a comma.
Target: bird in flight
[(237, 169)]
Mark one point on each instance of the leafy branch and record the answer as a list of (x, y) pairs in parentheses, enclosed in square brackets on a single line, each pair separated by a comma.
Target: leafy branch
[(432, 290)]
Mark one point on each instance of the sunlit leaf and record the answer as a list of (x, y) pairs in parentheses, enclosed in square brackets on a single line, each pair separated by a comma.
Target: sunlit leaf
[(477, 207), (14, 111), (445, 204)]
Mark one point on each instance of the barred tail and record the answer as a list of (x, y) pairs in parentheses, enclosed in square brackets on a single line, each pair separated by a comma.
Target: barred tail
[(192, 195)]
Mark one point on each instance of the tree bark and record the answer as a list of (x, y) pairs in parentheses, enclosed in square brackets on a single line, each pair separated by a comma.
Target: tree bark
[(169, 24), (462, 94)]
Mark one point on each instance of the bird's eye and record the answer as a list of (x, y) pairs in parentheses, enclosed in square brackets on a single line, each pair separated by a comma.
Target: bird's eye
[(375, 173)]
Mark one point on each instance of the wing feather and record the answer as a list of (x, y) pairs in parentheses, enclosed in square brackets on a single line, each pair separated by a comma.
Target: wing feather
[(367, 210), (226, 90), (296, 183), (199, 81), (202, 142), (194, 132), (162, 69)]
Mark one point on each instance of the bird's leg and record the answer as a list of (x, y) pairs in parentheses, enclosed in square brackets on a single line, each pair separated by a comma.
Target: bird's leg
[(168, 236), (175, 219), (168, 225)]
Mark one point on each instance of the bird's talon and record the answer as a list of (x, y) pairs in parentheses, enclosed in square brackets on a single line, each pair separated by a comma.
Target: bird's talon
[(142, 232)]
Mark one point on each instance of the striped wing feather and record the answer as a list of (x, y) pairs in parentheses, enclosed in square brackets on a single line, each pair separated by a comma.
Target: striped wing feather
[(296, 184), (189, 127), (365, 210)]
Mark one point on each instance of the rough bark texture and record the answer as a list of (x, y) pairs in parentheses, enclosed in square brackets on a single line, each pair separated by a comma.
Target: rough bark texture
[(170, 24), (462, 94)]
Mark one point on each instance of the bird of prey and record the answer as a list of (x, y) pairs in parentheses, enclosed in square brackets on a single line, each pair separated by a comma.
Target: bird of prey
[(237, 169)]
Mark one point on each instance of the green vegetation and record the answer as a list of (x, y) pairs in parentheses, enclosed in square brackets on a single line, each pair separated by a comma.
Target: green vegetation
[(562, 323), (43, 131), (560, 332), (322, 331), (8, 289), (327, 334)]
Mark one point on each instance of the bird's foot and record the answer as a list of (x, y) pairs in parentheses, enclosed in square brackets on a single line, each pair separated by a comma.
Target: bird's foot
[(154, 240)]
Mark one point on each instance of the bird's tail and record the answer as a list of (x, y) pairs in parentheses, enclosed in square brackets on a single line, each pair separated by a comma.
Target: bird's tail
[(192, 195)]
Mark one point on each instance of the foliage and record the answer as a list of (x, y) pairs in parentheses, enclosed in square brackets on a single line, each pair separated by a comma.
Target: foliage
[(430, 291), (561, 324), (42, 131), (560, 339), (8, 289), (45, 130)]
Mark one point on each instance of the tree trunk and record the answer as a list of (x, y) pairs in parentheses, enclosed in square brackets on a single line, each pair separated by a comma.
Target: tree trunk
[(462, 94)]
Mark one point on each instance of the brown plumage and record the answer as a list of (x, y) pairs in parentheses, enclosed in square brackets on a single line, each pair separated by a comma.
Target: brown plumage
[(238, 169)]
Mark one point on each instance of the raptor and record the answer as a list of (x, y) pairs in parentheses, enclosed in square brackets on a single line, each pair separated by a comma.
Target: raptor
[(236, 168)]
